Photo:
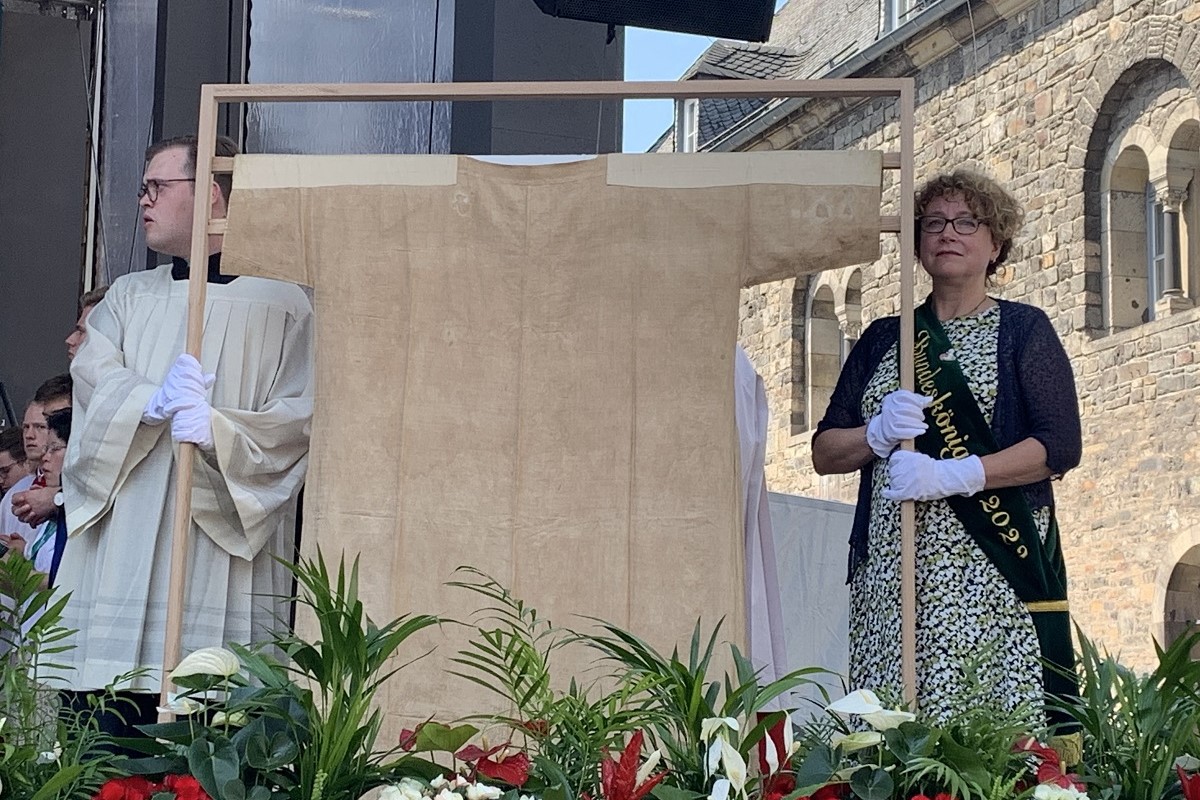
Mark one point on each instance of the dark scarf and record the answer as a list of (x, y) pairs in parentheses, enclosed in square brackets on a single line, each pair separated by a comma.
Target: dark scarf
[(999, 520)]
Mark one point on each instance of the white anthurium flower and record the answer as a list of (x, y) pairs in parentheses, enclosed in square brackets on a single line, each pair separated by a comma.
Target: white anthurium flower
[(790, 745), (714, 725), (771, 753), (647, 768), (846, 773), (849, 743), (887, 718), (1188, 763), (50, 756), (235, 719), (1048, 791), (734, 767), (181, 706), (714, 756), (215, 661), (720, 790), (479, 791), (858, 702)]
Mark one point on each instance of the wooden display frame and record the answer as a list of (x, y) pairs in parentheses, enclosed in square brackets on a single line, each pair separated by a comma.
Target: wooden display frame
[(212, 96)]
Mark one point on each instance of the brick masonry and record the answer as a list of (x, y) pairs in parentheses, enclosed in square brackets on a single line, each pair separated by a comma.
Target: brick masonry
[(1037, 97)]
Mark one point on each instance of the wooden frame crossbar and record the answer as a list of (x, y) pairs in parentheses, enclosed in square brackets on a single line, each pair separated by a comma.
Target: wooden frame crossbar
[(214, 95)]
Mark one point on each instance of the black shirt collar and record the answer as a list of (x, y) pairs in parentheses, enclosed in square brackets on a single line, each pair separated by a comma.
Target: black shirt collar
[(180, 270)]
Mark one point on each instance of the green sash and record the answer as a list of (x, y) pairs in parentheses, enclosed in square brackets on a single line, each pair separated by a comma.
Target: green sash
[(999, 520)]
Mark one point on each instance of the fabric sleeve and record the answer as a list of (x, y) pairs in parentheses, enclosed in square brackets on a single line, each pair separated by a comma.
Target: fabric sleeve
[(1047, 389), (108, 438), (260, 455)]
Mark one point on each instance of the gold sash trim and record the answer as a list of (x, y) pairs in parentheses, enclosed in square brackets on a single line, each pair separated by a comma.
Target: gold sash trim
[(1043, 606)]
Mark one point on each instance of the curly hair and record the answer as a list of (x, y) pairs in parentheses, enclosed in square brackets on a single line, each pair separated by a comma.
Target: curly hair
[(988, 200)]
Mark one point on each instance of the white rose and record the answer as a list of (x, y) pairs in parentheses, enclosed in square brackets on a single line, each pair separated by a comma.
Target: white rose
[(479, 791), (1048, 791)]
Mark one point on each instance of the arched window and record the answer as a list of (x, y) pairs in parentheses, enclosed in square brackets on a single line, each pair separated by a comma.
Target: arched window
[(1179, 204), (851, 322), (1182, 608), (824, 341), (1123, 221)]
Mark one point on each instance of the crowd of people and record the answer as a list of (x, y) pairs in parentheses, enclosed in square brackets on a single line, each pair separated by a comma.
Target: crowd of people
[(89, 481)]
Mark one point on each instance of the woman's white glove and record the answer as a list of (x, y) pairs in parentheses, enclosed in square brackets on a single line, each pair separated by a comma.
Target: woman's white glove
[(901, 416), (185, 385), (916, 476)]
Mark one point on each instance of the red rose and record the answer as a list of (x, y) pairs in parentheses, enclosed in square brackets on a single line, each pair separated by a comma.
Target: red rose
[(134, 787), (831, 791), (185, 787)]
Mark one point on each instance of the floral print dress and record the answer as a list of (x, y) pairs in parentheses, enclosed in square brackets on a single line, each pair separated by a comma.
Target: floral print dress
[(967, 613)]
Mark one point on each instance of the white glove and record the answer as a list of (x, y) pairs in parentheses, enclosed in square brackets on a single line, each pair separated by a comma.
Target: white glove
[(192, 422), (185, 384), (901, 417), (916, 476)]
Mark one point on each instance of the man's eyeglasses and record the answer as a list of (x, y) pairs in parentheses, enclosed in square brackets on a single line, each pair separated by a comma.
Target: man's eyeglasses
[(54, 448), (963, 226), (152, 187)]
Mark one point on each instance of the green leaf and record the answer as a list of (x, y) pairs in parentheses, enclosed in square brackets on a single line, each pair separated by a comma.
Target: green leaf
[(872, 784), (436, 737), (664, 792), (233, 790), (816, 770), (911, 740)]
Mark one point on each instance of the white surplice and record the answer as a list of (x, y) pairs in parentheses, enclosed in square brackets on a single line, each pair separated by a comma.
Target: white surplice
[(119, 477)]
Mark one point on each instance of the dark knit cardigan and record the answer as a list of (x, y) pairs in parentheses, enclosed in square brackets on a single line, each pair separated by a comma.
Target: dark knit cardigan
[(1035, 396)]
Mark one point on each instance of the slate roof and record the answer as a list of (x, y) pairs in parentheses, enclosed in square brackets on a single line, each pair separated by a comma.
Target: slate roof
[(725, 60)]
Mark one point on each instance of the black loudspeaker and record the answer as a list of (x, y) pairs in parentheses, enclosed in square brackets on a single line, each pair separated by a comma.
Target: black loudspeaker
[(749, 20)]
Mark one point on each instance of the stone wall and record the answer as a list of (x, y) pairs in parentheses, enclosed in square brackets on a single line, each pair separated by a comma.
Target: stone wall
[(1037, 99)]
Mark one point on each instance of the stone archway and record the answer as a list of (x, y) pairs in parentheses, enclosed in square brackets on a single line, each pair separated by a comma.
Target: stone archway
[(1181, 607)]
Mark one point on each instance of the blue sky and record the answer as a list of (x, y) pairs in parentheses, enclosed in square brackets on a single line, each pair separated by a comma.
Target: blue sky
[(656, 56)]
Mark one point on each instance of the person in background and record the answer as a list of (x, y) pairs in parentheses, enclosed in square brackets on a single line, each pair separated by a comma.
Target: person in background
[(33, 504), (13, 464), (86, 303), (46, 548)]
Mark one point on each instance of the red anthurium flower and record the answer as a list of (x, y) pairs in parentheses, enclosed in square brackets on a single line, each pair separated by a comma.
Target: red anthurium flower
[(1189, 783), (919, 797), (831, 791), (943, 796), (618, 778), (538, 727), (513, 770), (408, 738), (472, 753)]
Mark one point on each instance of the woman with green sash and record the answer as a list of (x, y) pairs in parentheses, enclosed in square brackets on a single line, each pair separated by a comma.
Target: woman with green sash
[(995, 418)]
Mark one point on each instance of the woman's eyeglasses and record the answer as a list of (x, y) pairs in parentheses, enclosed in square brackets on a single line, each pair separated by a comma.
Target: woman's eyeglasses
[(963, 226)]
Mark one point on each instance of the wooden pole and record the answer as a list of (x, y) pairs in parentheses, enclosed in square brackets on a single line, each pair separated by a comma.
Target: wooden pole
[(908, 550), (197, 291)]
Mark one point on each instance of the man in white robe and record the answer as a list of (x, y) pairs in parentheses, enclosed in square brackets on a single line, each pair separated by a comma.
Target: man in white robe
[(247, 405)]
